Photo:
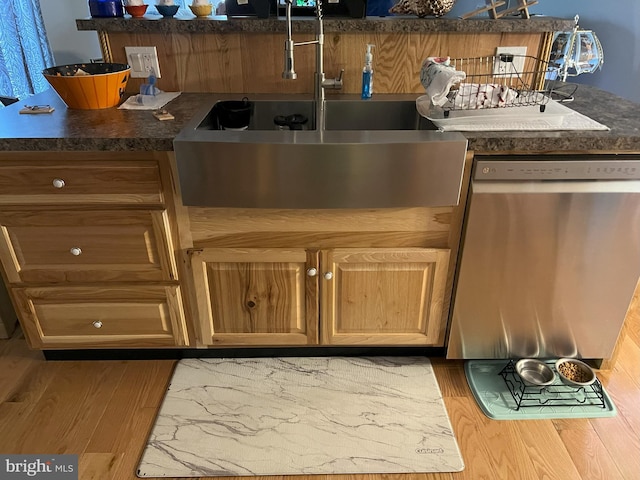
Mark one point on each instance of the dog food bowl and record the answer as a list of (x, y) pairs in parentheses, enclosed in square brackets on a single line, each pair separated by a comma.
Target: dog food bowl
[(575, 373)]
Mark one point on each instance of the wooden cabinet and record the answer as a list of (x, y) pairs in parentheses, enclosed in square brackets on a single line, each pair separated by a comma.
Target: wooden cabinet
[(107, 316), (87, 249), (94, 245), (256, 296), (350, 296), (383, 296)]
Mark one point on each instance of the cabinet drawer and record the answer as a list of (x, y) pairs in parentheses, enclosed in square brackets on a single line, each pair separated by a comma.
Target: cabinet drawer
[(88, 246), (91, 182), (79, 317)]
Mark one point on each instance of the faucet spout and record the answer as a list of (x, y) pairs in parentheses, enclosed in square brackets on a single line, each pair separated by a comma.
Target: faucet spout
[(289, 72)]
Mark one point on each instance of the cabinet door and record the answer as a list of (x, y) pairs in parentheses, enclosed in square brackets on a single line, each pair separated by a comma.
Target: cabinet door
[(97, 317), (86, 246), (383, 296), (256, 296)]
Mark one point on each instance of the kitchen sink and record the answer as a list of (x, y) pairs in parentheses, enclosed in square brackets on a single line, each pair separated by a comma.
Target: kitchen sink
[(374, 115), (376, 153), (339, 115)]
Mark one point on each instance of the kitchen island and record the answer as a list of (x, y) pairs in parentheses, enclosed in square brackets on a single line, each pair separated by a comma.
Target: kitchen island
[(99, 251)]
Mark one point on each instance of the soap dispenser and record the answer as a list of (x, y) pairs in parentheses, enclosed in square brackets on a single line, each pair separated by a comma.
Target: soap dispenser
[(367, 73)]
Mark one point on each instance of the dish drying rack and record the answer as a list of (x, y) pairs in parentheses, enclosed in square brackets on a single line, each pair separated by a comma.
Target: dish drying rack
[(500, 77), (557, 394)]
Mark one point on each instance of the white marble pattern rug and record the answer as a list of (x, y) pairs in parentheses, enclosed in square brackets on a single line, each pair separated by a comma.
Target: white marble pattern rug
[(301, 415)]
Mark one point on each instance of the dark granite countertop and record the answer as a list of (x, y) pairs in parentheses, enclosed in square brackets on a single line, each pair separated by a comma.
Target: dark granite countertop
[(113, 129), (396, 24)]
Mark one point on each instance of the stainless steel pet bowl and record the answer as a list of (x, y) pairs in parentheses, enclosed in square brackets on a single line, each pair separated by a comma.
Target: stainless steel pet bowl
[(575, 372), (535, 372)]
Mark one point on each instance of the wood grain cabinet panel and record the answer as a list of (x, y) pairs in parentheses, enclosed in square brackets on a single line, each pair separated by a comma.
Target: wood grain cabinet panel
[(255, 296), (100, 245), (351, 296), (384, 296), (88, 182), (92, 317), (88, 249)]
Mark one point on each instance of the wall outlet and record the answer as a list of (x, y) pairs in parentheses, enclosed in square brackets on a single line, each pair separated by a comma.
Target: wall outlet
[(514, 66), (142, 60)]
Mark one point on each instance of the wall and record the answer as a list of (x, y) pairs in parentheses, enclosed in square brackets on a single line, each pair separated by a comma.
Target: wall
[(67, 43)]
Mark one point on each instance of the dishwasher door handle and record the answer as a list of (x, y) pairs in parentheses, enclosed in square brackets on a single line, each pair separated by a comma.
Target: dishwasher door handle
[(557, 186)]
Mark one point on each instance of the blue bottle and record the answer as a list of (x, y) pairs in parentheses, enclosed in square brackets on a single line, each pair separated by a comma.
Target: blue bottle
[(367, 74)]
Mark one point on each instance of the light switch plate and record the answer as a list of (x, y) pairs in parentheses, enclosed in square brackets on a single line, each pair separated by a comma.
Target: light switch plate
[(142, 60)]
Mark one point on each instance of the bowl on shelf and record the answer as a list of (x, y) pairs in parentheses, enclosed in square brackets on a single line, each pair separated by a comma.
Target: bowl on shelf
[(136, 11), (167, 11), (89, 86), (534, 372), (575, 373), (201, 10)]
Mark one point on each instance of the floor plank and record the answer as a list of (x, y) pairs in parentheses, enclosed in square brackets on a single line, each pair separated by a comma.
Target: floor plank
[(470, 428), (68, 411), (589, 455), (548, 453), (622, 444)]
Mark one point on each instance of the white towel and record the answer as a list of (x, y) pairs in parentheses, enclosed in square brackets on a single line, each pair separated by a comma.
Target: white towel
[(471, 96), (437, 77)]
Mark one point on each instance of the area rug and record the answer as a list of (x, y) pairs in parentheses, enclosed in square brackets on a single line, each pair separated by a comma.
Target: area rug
[(301, 415)]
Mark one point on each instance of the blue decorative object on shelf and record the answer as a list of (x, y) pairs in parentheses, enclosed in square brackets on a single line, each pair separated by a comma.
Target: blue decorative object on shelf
[(106, 8)]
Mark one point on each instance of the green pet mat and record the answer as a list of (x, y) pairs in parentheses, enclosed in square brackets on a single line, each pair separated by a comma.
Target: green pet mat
[(498, 390)]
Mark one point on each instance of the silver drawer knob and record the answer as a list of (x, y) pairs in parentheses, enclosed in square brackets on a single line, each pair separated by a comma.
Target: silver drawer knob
[(328, 275), (97, 324), (75, 251), (312, 272), (58, 182)]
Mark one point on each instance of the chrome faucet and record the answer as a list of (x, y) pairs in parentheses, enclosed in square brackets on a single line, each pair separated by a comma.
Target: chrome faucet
[(320, 83)]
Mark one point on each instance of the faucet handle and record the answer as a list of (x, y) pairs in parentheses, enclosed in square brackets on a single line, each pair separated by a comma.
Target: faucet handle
[(334, 83)]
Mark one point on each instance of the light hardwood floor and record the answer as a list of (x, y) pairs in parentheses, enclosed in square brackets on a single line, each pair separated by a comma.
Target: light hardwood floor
[(103, 411)]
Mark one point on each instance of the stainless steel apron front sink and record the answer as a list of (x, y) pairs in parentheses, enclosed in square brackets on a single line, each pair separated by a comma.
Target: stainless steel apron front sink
[(356, 166)]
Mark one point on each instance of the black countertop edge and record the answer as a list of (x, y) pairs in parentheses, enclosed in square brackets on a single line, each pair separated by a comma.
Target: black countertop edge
[(222, 24)]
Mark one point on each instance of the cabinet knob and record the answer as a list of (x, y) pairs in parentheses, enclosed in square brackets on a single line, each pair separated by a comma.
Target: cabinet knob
[(97, 324), (328, 275), (312, 272), (75, 251), (58, 182)]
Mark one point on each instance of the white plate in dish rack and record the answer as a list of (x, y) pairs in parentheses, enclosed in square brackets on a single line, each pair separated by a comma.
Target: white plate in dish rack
[(555, 117)]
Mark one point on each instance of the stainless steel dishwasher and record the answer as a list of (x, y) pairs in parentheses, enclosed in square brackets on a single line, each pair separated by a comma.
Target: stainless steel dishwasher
[(550, 258)]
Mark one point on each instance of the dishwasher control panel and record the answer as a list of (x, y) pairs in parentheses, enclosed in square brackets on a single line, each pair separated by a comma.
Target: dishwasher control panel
[(556, 169)]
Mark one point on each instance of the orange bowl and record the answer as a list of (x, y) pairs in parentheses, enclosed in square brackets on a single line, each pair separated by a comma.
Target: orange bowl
[(102, 86), (136, 10)]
